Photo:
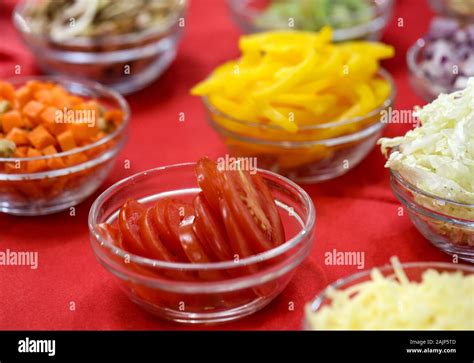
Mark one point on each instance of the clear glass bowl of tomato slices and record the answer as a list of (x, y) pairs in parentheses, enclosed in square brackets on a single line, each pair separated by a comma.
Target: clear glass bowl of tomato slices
[(45, 180), (238, 256)]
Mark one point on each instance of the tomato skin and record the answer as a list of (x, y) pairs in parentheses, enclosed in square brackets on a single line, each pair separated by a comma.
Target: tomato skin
[(110, 233), (237, 240), (176, 212), (210, 180), (159, 220), (235, 184), (150, 238), (191, 245), (129, 216), (271, 211), (210, 229)]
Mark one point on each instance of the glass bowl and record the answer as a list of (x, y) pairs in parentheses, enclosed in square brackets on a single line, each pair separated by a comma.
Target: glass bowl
[(441, 221), (426, 88), (125, 62), (27, 193), (413, 271), (315, 153), (232, 289), (246, 14), (460, 9)]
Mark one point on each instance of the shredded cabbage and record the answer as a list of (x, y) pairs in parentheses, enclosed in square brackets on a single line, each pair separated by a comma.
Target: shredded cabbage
[(438, 156)]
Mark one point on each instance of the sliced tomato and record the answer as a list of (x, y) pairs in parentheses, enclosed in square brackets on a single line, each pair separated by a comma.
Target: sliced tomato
[(129, 217), (150, 237), (210, 229), (210, 180), (270, 209), (237, 240), (166, 217), (194, 250), (190, 243), (245, 206), (110, 233)]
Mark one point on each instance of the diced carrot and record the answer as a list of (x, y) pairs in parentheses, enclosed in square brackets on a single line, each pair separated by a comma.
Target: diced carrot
[(10, 119), (23, 95), (27, 124), (43, 96), (82, 132), (66, 140), (33, 109), (55, 163), (41, 138), (7, 92), (18, 136), (49, 118), (76, 158), (21, 152), (59, 97), (35, 165)]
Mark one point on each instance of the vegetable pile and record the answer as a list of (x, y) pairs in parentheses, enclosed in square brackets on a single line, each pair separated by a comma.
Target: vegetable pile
[(96, 18), (44, 119), (234, 216), (315, 14), (294, 79), (440, 301), (448, 58)]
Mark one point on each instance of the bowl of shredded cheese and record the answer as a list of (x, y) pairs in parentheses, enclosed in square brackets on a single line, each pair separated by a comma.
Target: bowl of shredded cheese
[(409, 296)]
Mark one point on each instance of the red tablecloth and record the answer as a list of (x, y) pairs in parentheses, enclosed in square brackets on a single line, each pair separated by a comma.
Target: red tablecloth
[(356, 212)]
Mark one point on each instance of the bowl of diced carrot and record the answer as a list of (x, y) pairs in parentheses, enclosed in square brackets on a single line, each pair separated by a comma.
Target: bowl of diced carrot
[(59, 138)]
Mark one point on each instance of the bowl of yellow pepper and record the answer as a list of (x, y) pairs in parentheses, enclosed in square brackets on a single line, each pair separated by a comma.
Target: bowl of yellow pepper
[(306, 107)]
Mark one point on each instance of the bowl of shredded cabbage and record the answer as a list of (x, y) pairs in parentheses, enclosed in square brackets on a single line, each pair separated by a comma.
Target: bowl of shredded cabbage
[(432, 171)]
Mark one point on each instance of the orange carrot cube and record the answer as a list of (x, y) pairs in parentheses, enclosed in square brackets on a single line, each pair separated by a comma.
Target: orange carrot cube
[(32, 109), (35, 165), (9, 120), (18, 136), (41, 138), (66, 140)]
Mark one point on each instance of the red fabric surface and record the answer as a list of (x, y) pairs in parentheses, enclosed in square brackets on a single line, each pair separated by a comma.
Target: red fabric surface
[(356, 212)]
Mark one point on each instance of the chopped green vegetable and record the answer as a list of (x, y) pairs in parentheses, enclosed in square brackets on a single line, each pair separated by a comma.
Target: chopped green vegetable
[(5, 106), (7, 148), (312, 15)]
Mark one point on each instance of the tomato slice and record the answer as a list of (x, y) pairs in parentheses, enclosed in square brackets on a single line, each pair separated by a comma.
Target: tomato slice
[(129, 217), (237, 240), (210, 229), (110, 233), (244, 205), (150, 237), (270, 209), (166, 216), (210, 180), (194, 250), (190, 243)]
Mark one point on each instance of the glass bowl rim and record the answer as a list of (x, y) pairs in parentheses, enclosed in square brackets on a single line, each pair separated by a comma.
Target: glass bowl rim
[(298, 239), (316, 302), (339, 34), (397, 176), (386, 103), (91, 85), (119, 39)]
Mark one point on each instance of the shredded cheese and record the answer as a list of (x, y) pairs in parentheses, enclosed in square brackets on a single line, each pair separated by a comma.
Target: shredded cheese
[(440, 301)]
